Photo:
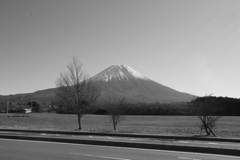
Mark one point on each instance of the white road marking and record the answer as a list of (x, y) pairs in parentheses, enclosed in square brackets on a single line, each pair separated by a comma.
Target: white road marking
[(225, 144), (88, 155), (183, 141), (187, 158), (112, 138), (213, 143), (127, 148), (4, 132), (43, 134), (109, 137)]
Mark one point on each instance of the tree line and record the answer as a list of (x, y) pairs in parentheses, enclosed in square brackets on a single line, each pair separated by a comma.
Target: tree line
[(226, 107), (229, 107)]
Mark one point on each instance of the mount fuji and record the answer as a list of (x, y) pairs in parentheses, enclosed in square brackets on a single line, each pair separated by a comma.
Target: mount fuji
[(120, 81), (123, 81)]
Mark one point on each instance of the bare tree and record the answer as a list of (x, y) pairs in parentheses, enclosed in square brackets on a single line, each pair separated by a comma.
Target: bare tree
[(115, 109), (76, 90), (207, 109)]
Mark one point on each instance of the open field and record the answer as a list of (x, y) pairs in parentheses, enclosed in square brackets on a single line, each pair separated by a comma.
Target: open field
[(163, 125)]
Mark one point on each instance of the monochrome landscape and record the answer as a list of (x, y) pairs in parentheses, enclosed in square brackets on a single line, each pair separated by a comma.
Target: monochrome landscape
[(153, 75)]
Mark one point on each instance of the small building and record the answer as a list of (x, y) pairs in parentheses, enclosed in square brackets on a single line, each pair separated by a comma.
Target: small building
[(27, 110)]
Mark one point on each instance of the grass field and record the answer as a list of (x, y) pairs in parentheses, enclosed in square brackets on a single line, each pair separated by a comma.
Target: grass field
[(162, 125)]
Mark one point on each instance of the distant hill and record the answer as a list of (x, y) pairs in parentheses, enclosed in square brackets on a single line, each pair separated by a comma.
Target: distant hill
[(45, 96), (118, 80)]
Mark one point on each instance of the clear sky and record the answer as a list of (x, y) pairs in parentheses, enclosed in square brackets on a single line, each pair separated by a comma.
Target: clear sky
[(192, 46)]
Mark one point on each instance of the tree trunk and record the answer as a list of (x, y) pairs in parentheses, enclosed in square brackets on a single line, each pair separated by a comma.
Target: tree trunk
[(79, 122), (205, 126), (114, 126), (206, 129), (210, 131), (114, 122)]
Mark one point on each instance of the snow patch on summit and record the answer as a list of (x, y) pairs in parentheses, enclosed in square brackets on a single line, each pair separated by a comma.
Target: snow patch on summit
[(118, 72), (134, 73)]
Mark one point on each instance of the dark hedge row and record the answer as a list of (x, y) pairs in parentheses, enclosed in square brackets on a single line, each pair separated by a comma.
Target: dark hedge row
[(229, 107)]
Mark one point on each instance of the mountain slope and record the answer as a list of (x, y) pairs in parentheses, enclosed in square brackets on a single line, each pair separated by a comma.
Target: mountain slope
[(121, 80), (46, 95), (118, 80)]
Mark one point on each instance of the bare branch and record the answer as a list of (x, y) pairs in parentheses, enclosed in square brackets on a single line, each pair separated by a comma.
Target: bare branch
[(207, 109), (115, 108), (76, 90)]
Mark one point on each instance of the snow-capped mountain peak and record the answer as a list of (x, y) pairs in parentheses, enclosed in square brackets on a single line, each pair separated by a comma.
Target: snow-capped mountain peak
[(118, 72), (123, 81)]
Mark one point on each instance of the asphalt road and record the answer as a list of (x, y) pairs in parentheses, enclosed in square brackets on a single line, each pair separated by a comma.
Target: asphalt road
[(34, 150)]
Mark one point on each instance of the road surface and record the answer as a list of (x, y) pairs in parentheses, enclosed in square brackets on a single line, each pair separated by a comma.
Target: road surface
[(34, 150)]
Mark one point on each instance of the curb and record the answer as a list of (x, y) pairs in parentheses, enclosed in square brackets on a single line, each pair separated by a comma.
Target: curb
[(127, 135), (232, 152)]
